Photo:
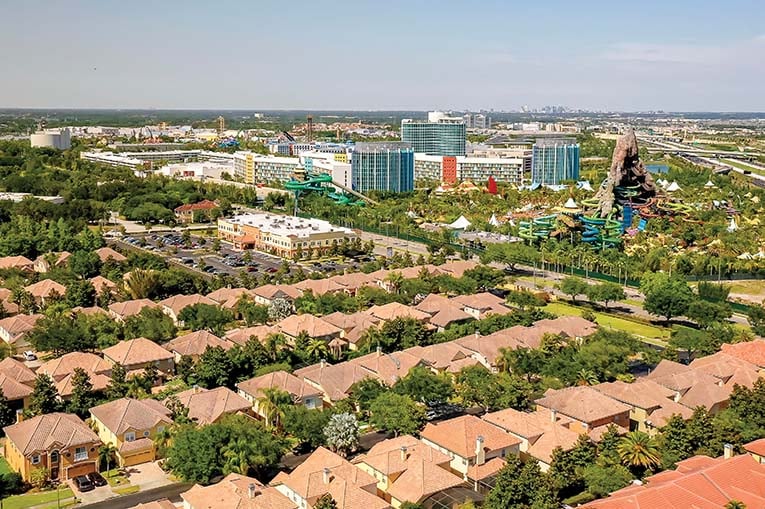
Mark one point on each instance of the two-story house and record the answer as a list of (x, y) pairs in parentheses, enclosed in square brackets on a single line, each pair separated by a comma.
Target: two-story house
[(61, 443), (301, 392), (131, 425), (587, 410), (140, 353)]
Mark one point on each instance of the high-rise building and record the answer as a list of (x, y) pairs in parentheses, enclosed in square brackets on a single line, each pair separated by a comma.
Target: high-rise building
[(387, 166), (554, 160), (441, 135)]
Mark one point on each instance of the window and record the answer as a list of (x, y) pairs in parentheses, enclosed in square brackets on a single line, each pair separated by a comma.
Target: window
[(80, 453), (160, 429), (146, 433), (130, 436), (54, 457), (36, 459)]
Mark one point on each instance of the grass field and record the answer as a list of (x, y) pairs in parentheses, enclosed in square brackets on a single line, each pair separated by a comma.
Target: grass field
[(127, 490), (5, 468), (742, 166), (33, 499), (649, 332)]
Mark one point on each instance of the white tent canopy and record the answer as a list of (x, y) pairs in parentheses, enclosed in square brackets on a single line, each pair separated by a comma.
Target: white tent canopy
[(460, 224), (673, 187), (493, 220), (570, 204), (709, 184), (732, 227)]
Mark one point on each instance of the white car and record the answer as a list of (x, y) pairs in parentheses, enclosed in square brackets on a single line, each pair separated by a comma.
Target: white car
[(29, 355)]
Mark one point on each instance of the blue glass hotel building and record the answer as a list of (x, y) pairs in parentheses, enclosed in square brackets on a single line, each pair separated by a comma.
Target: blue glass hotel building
[(554, 160), (387, 166)]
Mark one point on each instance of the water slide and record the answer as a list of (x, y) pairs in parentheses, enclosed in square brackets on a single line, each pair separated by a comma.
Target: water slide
[(316, 182)]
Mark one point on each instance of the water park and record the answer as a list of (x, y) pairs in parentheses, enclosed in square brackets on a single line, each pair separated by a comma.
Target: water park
[(305, 180)]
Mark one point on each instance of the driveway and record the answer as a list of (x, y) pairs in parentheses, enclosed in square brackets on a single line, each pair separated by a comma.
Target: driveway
[(147, 476), (90, 497)]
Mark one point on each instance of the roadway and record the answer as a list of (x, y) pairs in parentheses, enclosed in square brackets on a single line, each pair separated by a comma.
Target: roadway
[(170, 491)]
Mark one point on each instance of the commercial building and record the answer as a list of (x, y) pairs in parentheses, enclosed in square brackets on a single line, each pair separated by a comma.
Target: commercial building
[(554, 160), (135, 160), (439, 136), (453, 169), (387, 166), (254, 168), (328, 162), (58, 139), (281, 235)]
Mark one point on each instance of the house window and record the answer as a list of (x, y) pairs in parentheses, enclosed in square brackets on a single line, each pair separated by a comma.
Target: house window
[(130, 436), (36, 459), (80, 453), (160, 429), (146, 433), (54, 457)]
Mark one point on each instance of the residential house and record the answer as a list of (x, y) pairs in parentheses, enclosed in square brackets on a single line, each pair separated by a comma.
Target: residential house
[(14, 329), (457, 268), (18, 371), (122, 310), (698, 482), (206, 210), (651, 404), (7, 306), (301, 392), (103, 286), (538, 433), (137, 354), (61, 443), (208, 406), (266, 294), (45, 291), (477, 448), (46, 262), (172, 306), (333, 380), (731, 370), (314, 326), (16, 393), (693, 387), (131, 425), (90, 311), (242, 335), (325, 472), (223, 295), (586, 409), (443, 312), (65, 365), (390, 367), (449, 357), (488, 349), (235, 491), (319, 286), (408, 470), (354, 325), (353, 282), (17, 262), (756, 449), (393, 310), (106, 254), (481, 305), (750, 351), (194, 344)]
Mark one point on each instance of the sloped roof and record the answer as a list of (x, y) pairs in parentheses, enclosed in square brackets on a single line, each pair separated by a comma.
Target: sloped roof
[(449, 314), (15, 262), (177, 303), (136, 351), (201, 205), (195, 343), (293, 325), (43, 432), (242, 335), (17, 370), (45, 288), (348, 322), (234, 492), (106, 253), (65, 387), (397, 310), (287, 382), (223, 295), (124, 414), (319, 286), (13, 389), (433, 303), (750, 351), (390, 367), (706, 395), (66, 364), (582, 403), (645, 394), (131, 307), (459, 435), (19, 324), (334, 379), (207, 406), (100, 284), (271, 291)]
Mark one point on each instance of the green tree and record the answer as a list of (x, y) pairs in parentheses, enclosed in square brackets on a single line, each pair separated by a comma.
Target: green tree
[(251, 312), (7, 414), (107, 455), (80, 293), (601, 481), (142, 283), (735, 504), (342, 433), (364, 392), (638, 450), (325, 502), (756, 316), (566, 468), (693, 342), (605, 293), (306, 425), (150, 323), (524, 299), (214, 368), (205, 316), (573, 286), (396, 414), (84, 264), (706, 313), (61, 333), (44, 398), (118, 384), (272, 404), (82, 398), (521, 485), (665, 296), (424, 386)]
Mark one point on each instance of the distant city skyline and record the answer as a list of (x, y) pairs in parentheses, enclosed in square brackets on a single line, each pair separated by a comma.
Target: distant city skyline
[(416, 55)]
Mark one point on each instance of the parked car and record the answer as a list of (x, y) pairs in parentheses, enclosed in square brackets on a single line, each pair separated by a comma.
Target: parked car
[(83, 484), (29, 355), (97, 479)]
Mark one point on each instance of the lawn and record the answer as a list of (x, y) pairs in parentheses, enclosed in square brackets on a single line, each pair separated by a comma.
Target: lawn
[(742, 166), (115, 477), (33, 499), (5, 468), (613, 322), (127, 490)]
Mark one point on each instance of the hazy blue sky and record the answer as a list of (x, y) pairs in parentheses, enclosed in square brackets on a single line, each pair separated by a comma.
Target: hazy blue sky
[(384, 54)]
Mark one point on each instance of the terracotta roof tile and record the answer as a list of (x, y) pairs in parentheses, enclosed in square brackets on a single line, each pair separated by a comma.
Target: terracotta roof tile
[(12, 389), (156, 504), (348, 322), (270, 292), (459, 435), (287, 382), (177, 303), (486, 470), (107, 253), (457, 268), (234, 492), (393, 310), (334, 380), (643, 393), (750, 351), (681, 382), (17, 370), (319, 286), (46, 288), (293, 325), (757, 447), (666, 367), (201, 205), (723, 365), (57, 430), (102, 284), (242, 335), (66, 364), (99, 381), (16, 262), (706, 395), (207, 406), (125, 414), (584, 404), (223, 295), (17, 326), (130, 307), (137, 351), (195, 343)]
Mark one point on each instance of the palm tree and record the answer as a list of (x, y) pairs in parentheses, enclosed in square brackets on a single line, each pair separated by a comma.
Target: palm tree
[(638, 449), (162, 440), (106, 454), (587, 377), (271, 406), (238, 454), (140, 283), (316, 349), (735, 504), (394, 280)]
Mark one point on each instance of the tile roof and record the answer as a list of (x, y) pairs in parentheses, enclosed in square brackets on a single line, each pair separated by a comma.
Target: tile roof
[(233, 492), (139, 444), (443, 356), (643, 393), (354, 280), (706, 395), (659, 417), (62, 366), (100, 283), (201, 205), (750, 351), (162, 503), (459, 435), (723, 365), (681, 382), (571, 326), (457, 268), (319, 286), (207, 406), (195, 343), (17, 370), (484, 301), (46, 288), (489, 347), (293, 325), (99, 381), (242, 335), (288, 382), (56, 430), (666, 367), (389, 458), (710, 483), (13, 389), (270, 292), (106, 253), (177, 303), (449, 314), (757, 447), (130, 307), (18, 325), (125, 414), (433, 303), (16, 262), (582, 403), (388, 368), (348, 322), (393, 310), (334, 380), (136, 351), (90, 310), (486, 470), (223, 295)]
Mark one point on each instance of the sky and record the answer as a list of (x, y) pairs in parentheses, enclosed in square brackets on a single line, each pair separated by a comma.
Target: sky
[(672, 55)]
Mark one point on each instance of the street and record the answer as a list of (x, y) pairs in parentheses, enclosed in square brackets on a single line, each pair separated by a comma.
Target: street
[(171, 492)]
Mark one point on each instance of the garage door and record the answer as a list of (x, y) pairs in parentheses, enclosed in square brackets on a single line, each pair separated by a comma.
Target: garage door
[(137, 459), (76, 470)]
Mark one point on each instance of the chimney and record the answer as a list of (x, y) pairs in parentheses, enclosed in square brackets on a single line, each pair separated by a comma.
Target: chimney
[(379, 351), (480, 454), (19, 415), (477, 334), (251, 491), (553, 416), (196, 389), (728, 451), (323, 363), (325, 475), (403, 453)]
